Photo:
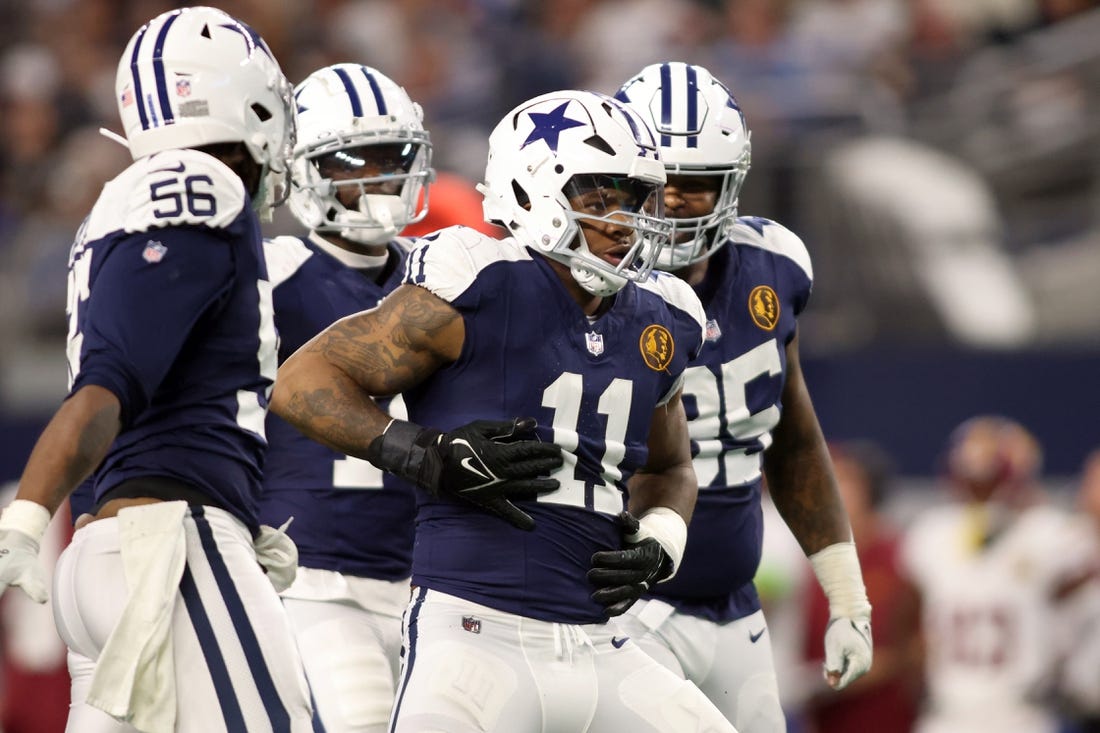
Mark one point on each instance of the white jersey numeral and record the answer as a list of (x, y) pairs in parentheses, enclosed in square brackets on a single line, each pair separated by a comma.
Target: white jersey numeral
[(564, 397), (251, 410), (710, 392), (80, 273)]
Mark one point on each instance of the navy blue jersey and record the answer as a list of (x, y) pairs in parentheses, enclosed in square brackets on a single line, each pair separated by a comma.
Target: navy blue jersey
[(754, 289), (170, 309), (592, 386), (345, 519)]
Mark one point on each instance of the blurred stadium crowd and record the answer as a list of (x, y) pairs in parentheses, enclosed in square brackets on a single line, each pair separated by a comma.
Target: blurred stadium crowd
[(939, 158)]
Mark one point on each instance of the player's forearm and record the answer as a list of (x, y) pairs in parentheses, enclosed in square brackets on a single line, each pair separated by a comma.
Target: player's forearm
[(73, 444), (675, 487), (800, 472), (326, 405)]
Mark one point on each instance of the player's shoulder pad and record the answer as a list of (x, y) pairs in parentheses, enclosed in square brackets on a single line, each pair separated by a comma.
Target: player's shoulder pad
[(179, 187), (448, 261), (774, 237), (677, 293), (284, 255)]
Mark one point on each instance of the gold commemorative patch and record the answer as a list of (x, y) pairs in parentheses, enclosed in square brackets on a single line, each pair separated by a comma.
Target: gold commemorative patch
[(764, 307), (656, 347)]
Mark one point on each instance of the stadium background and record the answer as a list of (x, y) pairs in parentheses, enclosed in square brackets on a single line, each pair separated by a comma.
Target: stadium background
[(940, 160)]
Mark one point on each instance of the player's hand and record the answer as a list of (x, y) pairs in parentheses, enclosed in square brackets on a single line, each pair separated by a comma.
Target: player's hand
[(486, 462), (623, 576), (848, 650), (19, 564)]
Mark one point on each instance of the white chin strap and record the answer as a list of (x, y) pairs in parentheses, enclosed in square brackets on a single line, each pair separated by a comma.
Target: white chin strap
[(600, 284), (379, 219)]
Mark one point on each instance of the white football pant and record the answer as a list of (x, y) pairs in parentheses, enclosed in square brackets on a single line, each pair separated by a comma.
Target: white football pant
[(236, 664), (468, 668), (731, 663), (349, 634)]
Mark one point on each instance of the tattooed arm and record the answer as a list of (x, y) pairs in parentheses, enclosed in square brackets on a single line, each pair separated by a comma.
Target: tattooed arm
[(326, 388), (799, 471)]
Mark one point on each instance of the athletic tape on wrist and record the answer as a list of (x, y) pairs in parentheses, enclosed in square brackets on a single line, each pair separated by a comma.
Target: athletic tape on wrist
[(669, 529), (28, 517), (837, 570)]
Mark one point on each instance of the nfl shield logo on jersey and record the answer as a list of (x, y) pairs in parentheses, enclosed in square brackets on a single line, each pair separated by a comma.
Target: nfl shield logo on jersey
[(713, 332), (471, 624), (183, 87), (594, 341), (154, 252)]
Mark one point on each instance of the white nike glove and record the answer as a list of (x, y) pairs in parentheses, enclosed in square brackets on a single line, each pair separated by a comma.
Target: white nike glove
[(21, 528), (277, 554), (848, 650), (848, 646)]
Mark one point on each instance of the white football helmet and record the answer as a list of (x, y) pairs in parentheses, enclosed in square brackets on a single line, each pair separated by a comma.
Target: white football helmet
[(563, 143), (348, 115), (701, 132), (196, 76)]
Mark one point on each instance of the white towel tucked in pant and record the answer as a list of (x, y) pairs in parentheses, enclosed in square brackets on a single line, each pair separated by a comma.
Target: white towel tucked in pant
[(134, 679)]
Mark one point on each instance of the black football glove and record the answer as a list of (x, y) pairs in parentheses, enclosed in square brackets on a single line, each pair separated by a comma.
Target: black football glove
[(622, 576), (486, 462)]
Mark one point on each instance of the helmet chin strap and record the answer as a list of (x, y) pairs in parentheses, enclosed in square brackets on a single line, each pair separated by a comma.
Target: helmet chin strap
[(381, 214), (600, 284)]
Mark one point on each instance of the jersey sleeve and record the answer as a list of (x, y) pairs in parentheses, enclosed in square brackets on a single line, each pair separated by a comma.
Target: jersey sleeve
[(183, 188), (448, 262), (781, 241), (686, 306), (141, 309)]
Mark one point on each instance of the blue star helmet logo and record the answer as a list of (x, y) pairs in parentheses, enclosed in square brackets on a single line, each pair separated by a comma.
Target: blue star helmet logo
[(251, 37), (549, 126)]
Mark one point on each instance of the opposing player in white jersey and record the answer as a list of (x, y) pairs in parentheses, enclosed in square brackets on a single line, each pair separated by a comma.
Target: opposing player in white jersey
[(748, 409), (562, 325), (170, 620), (995, 569), (362, 161)]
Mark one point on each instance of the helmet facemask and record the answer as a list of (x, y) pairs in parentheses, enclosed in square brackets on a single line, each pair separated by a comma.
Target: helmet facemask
[(568, 166), (694, 238), (605, 205), (362, 169), (394, 196), (701, 132)]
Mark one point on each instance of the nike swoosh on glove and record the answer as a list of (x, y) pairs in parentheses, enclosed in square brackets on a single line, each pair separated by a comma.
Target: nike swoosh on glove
[(488, 463), (19, 565), (623, 576), (848, 650)]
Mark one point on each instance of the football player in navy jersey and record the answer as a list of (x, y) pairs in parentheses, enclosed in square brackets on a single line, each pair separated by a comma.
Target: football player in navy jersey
[(564, 325), (362, 160), (161, 598), (748, 410)]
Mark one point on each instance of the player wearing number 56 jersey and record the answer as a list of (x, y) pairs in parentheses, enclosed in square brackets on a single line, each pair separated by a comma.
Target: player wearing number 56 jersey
[(362, 159), (556, 351), (160, 597), (748, 411)]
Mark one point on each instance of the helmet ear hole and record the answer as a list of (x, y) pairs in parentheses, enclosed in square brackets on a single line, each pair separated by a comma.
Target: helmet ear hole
[(262, 112), (521, 196)]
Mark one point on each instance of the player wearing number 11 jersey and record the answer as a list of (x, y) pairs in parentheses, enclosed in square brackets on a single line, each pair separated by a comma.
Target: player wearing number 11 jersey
[(748, 409), (553, 352)]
